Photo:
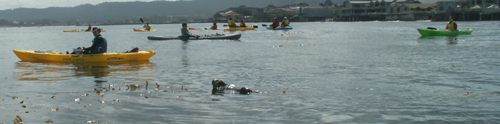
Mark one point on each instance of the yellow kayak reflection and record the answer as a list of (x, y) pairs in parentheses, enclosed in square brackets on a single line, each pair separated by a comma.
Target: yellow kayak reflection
[(55, 71)]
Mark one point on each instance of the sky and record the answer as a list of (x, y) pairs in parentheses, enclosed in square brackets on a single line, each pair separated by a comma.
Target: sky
[(12, 4)]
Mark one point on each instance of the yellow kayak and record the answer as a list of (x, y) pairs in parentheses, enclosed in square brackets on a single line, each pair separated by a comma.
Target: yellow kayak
[(80, 31), (30, 55), (135, 29), (239, 28)]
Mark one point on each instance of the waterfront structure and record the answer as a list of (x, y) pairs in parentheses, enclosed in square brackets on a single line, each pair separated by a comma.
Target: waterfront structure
[(382, 10), (317, 13), (468, 10), (369, 10)]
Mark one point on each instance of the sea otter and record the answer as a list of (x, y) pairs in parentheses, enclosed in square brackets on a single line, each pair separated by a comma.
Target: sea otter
[(218, 86)]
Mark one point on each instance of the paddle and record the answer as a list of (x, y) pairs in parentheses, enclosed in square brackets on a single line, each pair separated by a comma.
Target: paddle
[(431, 28), (141, 20), (264, 25)]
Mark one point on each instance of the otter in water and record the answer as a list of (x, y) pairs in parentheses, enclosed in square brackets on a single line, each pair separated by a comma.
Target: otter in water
[(218, 86)]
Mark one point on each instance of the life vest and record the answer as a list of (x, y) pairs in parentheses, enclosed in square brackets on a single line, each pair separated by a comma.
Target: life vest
[(242, 24), (451, 25), (184, 35), (231, 23), (286, 22), (148, 27)]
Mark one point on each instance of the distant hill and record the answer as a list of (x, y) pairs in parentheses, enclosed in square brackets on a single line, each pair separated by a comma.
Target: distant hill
[(121, 10)]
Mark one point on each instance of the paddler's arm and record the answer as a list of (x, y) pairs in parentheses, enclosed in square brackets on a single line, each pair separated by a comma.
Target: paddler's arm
[(184, 31)]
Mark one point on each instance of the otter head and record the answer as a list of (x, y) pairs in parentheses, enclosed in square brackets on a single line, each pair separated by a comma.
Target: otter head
[(218, 84)]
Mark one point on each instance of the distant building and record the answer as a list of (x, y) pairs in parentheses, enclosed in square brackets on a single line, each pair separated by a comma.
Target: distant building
[(314, 13), (367, 10), (445, 6), (246, 13)]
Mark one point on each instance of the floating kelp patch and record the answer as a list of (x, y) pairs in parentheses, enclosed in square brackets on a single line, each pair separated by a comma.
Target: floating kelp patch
[(18, 120), (292, 33), (283, 46), (49, 121), (133, 87)]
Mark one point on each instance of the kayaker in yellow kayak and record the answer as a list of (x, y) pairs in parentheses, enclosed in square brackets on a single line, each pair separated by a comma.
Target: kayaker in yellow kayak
[(242, 23), (90, 28), (451, 25), (231, 22), (147, 26), (99, 44), (185, 32)]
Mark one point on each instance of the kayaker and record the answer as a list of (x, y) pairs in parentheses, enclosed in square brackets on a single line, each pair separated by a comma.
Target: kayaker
[(214, 27), (99, 44), (231, 22), (285, 22), (185, 32), (276, 23), (90, 28), (242, 23), (451, 25), (147, 26)]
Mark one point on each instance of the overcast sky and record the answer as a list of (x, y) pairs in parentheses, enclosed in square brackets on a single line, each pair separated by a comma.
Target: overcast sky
[(12, 4)]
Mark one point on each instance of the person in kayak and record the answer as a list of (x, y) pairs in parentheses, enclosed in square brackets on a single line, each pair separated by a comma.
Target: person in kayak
[(99, 44), (147, 26), (451, 25), (285, 22), (90, 28), (276, 23), (185, 32), (214, 27), (242, 23), (231, 22)]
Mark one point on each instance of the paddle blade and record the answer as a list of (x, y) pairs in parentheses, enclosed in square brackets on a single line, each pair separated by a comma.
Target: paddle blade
[(264, 25), (141, 20)]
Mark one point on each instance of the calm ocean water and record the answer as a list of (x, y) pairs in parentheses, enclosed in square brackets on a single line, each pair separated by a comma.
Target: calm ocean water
[(319, 72)]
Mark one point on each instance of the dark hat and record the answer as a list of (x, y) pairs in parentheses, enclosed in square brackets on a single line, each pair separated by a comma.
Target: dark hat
[(96, 29)]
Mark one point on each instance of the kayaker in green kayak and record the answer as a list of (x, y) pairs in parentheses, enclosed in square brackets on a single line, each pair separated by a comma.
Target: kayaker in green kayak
[(451, 25), (285, 22), (275, 23), (99, 44)]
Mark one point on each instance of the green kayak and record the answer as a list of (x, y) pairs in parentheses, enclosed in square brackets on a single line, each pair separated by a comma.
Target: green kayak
[(435, 32)]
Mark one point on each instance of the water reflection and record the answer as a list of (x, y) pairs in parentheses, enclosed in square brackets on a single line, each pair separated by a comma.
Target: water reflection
[(451, 40), (437, 39), (185, 59), (56, 71)]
